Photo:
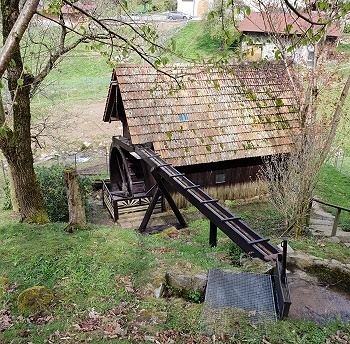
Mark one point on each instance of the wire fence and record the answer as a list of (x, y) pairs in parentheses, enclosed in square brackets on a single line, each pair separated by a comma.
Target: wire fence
[(88, 163)]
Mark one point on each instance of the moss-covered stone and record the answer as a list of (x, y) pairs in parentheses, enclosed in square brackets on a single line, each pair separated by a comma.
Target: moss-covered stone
[(4, 281), (186, 285), (151, 320), (331, 272), (332, 275), (35, 299), (171, 232)]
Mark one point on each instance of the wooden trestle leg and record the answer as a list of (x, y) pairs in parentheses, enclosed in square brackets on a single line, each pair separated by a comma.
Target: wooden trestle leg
[(213, 235), (168, 197), (149, 210)]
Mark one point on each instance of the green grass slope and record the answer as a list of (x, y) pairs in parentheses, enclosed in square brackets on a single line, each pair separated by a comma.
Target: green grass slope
[(101, 281)]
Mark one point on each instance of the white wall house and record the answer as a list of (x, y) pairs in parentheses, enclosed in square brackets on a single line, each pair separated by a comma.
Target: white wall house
[(196, 8), (258, 27)]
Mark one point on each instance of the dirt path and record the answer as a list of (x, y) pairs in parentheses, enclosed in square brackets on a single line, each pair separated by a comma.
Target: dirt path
[(70, 125)]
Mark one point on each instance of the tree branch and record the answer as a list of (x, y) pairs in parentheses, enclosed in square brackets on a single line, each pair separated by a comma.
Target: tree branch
[(51, 63), (2, 112), (142, 55), (293, 9), (16, 33)]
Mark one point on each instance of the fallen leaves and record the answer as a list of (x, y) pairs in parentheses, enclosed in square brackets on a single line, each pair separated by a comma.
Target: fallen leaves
[(6, 320), (160, 250), (110, 324), (37, 319), (339, 337), (12, 288), (127, 282)]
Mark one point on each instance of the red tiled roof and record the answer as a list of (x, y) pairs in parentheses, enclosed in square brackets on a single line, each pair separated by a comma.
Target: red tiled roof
[(238, 112), (261, 22)]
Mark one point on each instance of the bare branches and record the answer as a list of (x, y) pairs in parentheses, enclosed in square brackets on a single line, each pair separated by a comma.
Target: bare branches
[(336, 119), (291, 178), (109, 38), (54, 57), (300, 15)]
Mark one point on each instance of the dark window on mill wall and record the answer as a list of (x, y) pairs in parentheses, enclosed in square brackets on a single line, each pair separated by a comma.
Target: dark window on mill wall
[(220, 178)]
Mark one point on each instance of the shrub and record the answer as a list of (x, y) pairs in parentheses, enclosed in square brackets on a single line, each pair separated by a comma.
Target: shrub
[(235, 254), (52, 185), (170, 5), (347, 28)]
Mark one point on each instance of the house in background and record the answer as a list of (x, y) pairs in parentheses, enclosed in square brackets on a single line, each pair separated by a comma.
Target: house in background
[(259, 28), (71, 16), (215, 129), (196, 8)]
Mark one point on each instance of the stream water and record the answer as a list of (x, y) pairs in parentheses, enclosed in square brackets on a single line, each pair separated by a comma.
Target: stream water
[(316, 302)]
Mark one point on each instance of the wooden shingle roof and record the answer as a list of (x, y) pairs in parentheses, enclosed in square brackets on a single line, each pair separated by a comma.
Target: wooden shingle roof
[(237, 112)]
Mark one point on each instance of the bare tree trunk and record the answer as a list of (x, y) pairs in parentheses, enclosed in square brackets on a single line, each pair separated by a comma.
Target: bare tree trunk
[(77, 218), (15, 143), (31, 203)]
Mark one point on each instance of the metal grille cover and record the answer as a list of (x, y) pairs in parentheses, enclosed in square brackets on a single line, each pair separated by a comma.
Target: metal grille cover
[(231, 295)]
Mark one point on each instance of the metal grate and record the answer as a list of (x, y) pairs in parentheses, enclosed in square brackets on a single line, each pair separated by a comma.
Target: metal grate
[(233, 296)]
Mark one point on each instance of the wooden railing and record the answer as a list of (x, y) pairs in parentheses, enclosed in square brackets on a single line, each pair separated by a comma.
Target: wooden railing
[(337, 215), (109, 202), (117, 205)]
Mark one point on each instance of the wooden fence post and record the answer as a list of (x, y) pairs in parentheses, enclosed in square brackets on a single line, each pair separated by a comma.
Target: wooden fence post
[(336, 222)]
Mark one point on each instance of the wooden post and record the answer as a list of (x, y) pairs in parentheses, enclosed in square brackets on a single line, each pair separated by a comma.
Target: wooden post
[(336, 222), (168, 197), (76, 209), (115, 210), (149, 210), (213, 235), (107, 162)]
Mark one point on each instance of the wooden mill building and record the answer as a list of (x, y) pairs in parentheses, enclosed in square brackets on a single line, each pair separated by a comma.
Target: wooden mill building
[(212, 124)]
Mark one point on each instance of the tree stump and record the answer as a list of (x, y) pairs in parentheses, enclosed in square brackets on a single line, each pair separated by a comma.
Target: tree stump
[(76, 209)]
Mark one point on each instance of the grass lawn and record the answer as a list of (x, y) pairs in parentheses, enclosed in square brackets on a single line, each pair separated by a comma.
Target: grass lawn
[(101, 282), (334, 188), (82, 75), (192, 41)]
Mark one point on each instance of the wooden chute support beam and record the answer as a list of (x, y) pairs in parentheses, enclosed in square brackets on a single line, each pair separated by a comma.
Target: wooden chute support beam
[(160, 188), (213, 235)]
